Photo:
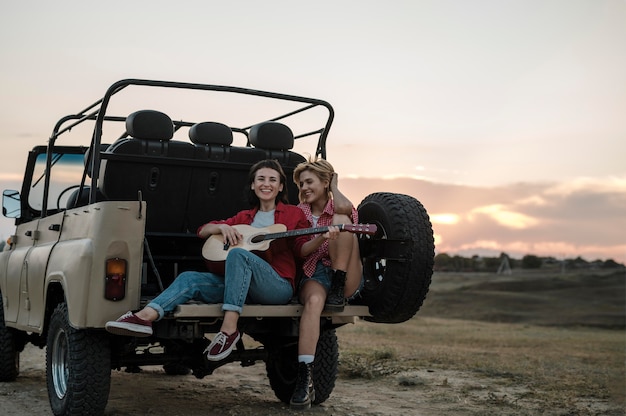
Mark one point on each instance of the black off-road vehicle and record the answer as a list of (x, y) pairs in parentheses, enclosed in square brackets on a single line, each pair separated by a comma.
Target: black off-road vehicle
[(107, 218)]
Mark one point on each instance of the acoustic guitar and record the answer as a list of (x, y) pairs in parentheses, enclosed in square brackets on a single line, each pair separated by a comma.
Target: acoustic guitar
[(259, 239)]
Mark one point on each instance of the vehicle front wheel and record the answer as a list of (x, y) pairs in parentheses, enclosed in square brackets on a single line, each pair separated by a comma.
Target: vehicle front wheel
[(78, 367), (9, 350)]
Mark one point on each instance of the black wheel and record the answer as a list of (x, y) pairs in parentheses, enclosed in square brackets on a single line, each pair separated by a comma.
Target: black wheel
[(78, 367), (398, 260), (282, 368), (9, 350)]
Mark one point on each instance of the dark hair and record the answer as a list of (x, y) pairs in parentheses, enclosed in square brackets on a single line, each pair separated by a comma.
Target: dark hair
[(271, 164)]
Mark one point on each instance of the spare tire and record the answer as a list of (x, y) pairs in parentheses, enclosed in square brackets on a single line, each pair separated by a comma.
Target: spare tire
[(398, 260)]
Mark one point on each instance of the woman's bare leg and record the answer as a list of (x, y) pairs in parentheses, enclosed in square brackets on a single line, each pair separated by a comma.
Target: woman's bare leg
[(354, 273), (344, 255), (312, 296)]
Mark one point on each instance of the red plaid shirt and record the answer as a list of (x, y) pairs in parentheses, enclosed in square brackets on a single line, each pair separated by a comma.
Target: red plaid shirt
[(325, 219)]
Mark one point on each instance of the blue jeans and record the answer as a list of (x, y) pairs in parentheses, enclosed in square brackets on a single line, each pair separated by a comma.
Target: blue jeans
[(248, 278)]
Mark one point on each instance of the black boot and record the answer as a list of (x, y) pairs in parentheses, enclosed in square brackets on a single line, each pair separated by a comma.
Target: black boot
[(335, 301), (304, 394)]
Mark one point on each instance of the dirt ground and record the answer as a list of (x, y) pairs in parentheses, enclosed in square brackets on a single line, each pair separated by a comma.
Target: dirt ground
[(233, 390), (442, 389)]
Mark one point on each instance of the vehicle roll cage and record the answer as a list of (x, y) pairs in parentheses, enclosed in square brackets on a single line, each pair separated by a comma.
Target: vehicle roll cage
[(97, 112)]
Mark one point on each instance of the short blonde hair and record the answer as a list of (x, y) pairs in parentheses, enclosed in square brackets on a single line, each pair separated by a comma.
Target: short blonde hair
[(320, 167)]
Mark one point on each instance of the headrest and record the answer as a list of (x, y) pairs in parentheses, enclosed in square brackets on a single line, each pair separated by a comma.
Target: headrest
[(210, 132), (271, 135), (149, 125), (86, 157)]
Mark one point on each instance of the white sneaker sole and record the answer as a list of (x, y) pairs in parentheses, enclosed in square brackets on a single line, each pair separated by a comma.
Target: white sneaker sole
[(127, 329)]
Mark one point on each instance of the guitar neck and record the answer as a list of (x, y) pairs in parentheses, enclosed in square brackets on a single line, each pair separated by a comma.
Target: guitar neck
[(301, 231)]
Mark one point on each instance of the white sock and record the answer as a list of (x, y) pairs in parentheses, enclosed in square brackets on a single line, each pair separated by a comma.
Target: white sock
[(307, 359)]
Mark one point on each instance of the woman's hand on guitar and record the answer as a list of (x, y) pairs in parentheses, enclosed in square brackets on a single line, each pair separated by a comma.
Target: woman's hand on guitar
[(332, 233), (231, 236)]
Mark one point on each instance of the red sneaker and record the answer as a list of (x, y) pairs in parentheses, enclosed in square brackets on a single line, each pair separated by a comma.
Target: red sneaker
[(221, 346), (130, 325)]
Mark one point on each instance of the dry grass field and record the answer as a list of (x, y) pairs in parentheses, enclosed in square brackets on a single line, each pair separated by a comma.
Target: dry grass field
[(521, 344), (482, 345)]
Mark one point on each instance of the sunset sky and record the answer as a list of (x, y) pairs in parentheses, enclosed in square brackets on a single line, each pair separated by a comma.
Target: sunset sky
[(505, 118)]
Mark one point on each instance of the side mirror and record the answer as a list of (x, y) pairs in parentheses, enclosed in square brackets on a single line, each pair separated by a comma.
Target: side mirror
[(11, 203)]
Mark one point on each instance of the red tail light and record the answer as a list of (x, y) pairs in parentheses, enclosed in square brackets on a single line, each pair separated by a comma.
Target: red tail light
[(115, 280)]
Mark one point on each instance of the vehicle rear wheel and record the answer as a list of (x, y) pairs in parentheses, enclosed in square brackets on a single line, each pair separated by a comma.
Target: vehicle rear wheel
[(9, 350), (78, 367), (398, 260), (282, 368)]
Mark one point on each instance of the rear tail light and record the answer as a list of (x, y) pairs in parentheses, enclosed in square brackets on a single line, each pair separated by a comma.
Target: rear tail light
[(115, 280)]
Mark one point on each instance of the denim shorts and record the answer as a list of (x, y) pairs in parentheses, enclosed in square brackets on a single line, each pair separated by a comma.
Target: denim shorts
[(324, 275)]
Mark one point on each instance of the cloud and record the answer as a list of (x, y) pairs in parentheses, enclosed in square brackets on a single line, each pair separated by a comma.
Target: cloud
[(444, 218), (582, 218), (607, 184), (585, 217), (504, 216)]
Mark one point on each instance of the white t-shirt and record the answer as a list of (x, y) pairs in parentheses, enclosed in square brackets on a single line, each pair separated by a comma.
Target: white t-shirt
[(315, 218), (263, 219)]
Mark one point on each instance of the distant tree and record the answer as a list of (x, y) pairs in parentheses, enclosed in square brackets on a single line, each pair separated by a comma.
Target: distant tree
[(530, 261), (491, 264), (611, 264), (580, 263), (443, 262), (462, 264), (446, 263), (477, 263)]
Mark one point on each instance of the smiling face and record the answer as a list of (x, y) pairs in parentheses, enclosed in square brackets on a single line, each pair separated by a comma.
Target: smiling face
[(266, 185), (312, 189)]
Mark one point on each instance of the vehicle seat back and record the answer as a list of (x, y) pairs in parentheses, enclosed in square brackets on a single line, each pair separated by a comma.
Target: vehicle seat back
[(142, 167), (276, 140), (212, 140)]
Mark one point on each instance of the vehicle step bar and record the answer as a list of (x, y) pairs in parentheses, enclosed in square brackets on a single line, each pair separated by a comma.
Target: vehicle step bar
[(201, 310)]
